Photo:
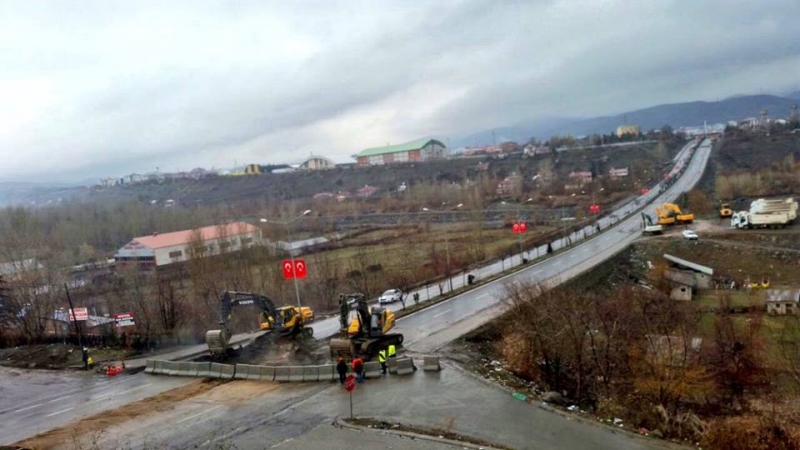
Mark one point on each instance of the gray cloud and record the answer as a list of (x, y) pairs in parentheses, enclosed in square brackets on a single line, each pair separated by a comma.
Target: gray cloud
[(102, 88)]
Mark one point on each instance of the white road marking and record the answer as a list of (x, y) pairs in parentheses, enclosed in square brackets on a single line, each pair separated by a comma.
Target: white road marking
[(59, 412), (59, 399), (442, 313), (27, 408), (199, 414), (103, 397)]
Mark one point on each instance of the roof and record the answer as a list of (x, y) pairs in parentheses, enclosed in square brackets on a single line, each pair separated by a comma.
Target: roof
[(689, 265), (159, 240), (783, 295), (413, 145)]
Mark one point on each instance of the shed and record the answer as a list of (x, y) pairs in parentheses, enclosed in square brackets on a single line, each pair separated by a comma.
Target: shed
[(782, 301)]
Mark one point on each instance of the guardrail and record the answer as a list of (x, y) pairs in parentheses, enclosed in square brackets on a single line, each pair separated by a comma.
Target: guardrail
[(282, 374)]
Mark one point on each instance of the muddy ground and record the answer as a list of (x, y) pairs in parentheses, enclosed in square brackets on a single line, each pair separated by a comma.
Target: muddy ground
[(56, 356)]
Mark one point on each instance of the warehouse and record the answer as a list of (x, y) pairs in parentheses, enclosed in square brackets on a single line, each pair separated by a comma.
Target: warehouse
[(160, 249), (414, 151)]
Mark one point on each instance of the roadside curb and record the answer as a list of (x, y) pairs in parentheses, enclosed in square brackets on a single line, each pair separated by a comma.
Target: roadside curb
[(408, 434)]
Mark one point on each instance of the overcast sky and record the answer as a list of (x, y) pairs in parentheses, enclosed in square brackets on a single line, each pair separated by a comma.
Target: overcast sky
[(109, 88)]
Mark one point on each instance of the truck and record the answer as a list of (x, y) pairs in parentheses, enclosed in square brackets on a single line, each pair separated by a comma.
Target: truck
[(765, 213), (746, 219)]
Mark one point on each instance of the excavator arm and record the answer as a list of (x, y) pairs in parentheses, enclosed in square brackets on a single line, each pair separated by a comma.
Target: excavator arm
[(217, 340)]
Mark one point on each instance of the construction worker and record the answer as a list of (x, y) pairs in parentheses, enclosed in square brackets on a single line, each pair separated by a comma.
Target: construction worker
[(382, 360), (341, 368), (358, 368), (392, 351)]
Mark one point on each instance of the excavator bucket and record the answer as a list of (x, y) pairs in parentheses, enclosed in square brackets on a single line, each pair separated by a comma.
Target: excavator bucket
[(217, 341)]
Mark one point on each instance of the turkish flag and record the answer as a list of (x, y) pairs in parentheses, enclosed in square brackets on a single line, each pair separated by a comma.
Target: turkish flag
[(288, 271), (515, 228), (523, 227), (300, 268)]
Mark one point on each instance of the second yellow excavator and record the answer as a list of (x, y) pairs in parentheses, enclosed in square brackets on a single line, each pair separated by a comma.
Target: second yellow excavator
[(367, 331), (671, 214)]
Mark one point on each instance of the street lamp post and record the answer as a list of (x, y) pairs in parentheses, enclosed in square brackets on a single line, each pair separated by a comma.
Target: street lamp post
[(287, 224), (446, 246)]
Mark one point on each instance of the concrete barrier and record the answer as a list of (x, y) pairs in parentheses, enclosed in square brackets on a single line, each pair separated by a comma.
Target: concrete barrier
[(150, 367), (431, 364), (172, 368), (217, 370), (310, 373), (295, 373), (391, 364), (405, 366), (160, 368), (228, 371), (327, 372), (372, 369), (187, 369), (247, 372), (282, 374), (267, 373), (203, 369)]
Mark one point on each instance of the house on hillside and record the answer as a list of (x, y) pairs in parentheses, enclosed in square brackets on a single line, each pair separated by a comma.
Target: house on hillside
[(781, 302), (629, 130), (160, 249), (317, 163), (366, 191), (414, 151)]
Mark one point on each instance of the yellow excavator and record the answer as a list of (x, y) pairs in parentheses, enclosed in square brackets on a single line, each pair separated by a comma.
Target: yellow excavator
[(285, 321), (365, 330), (725, 210), (671, 214)]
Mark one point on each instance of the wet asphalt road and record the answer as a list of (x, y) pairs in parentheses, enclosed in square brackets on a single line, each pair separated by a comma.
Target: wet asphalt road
[(32, 402), (28, 407)]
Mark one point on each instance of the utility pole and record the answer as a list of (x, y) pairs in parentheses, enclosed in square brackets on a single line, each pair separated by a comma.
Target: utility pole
[(84, 353)]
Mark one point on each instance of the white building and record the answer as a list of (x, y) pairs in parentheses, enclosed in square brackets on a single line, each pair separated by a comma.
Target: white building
[(168, 248)]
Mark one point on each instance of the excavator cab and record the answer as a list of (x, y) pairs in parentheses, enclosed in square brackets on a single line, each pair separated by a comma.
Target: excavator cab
[(725, 210), (366, 330)]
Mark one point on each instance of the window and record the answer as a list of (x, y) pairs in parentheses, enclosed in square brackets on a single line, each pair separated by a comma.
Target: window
[(224, 245), (176, 254), (246, 241)]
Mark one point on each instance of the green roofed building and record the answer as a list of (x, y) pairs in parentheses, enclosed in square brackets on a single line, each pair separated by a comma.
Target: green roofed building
[(419, 150)]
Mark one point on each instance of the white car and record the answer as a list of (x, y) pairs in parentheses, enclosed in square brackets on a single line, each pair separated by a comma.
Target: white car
[(390, 296), (690, 235)]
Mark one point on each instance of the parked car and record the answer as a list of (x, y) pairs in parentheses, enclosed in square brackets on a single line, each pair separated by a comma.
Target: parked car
[(390, 296), (690, 235)]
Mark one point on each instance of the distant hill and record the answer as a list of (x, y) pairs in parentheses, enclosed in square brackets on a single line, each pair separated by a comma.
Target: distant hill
[(517, 133), (675, 115)]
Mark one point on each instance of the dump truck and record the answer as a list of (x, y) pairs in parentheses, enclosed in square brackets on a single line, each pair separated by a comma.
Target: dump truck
[(671, 214), (765, 213)]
